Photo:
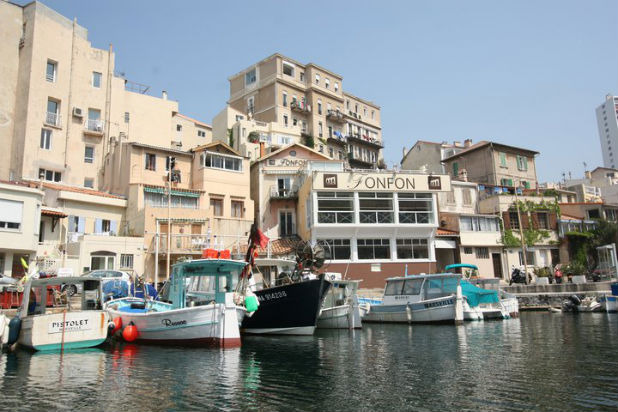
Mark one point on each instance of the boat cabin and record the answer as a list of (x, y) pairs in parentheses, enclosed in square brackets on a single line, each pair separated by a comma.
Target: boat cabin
[(417, 288), (340, 293)]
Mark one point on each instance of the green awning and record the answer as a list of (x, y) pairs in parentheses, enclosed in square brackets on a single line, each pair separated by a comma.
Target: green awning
[(162, 191)]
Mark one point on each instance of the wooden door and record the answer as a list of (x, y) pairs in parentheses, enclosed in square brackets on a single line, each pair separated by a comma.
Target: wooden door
[(495, 257)]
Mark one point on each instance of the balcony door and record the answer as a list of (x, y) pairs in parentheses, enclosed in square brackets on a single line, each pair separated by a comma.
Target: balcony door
[(283, 186), (287, 223)]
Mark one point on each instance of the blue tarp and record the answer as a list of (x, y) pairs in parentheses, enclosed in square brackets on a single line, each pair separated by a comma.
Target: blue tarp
[(115, 289), (139, 292), (475, 295)]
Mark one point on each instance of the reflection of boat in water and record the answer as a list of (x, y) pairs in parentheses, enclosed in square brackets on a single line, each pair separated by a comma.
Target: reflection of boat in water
[(198, 309), (60, 325), (420, 298), (340, 309)]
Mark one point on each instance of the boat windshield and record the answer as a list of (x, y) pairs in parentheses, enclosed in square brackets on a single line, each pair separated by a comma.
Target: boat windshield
[(413, 286), (439, 287), (393, 287)]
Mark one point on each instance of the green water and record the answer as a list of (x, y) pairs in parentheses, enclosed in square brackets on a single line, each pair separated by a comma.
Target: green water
[(545, 362)]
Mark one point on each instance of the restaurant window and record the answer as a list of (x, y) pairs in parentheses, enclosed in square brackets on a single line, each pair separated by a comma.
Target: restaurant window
[(216, 207), (150, 161), (237, 208), (335, 207), (373, 249), (412, 249), (376, 207), (415, 208), (336, 249)]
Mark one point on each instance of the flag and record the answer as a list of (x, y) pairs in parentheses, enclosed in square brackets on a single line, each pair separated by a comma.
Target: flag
[(259, 238)]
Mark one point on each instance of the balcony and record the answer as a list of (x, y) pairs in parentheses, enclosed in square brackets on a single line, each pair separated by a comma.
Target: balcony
[(299, 106), (335, 116), (53, 119), (354, 115), (366, 140), (277, 193), (357, 163), (94, 126), (336, 140)]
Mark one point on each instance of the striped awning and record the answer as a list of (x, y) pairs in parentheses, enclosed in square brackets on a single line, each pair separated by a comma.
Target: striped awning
[(161, 190)]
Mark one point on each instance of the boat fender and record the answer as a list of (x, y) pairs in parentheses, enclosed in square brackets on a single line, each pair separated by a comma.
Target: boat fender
[(251, 303), (116, 323), (14, 329), (129, 333)]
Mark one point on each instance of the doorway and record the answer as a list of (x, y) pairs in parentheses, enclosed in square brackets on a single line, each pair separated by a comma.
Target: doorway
[(497, 262)]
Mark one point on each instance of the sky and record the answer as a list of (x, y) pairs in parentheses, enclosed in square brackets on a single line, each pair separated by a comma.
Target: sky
[(523, 73)]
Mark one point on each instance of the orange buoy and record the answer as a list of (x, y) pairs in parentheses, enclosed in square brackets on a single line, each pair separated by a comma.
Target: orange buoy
[(117, 324), (129, 333)]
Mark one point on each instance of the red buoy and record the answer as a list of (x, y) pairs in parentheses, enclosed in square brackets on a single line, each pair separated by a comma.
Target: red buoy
[(117, 324), (129, 333)]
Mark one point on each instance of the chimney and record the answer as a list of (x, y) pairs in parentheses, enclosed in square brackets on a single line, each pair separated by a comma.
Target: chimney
[(467, 142), (457, 144), (164, 95), (262, 149)]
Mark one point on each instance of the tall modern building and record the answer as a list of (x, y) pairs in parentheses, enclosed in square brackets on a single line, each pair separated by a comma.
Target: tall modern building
[(308, 104), (607, 121)]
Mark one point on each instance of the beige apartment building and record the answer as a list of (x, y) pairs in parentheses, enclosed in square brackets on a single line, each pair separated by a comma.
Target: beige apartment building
[(309, 100)]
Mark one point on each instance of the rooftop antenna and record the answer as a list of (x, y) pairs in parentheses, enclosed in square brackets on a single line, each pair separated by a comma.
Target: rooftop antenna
[(585, 166)]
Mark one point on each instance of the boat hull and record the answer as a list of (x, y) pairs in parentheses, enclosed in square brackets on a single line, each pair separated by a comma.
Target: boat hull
[(440, 310), (288, 309), (611, 304), (82, 329), (338, 317)]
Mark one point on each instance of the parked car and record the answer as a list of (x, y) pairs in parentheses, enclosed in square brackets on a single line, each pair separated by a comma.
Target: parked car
[(106, 275)]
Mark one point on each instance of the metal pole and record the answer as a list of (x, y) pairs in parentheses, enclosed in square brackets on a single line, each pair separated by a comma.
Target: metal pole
[(523, 240), (156, 263), (169, 205)]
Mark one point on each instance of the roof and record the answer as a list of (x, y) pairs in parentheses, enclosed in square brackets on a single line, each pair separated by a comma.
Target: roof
[(446, 232), (289, 146), (580, 203), (485, 143), (46, 211), (564, 216), (604, 168), (74, 189), (213, 144), (164, 149), (278, 247), (197, 122)]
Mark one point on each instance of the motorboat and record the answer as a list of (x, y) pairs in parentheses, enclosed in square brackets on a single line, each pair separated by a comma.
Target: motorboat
[(424, 298), (340, 309), (50, 320), (611, 301), (197, 307)]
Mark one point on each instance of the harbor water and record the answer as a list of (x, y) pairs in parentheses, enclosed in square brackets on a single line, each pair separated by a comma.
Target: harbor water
[(545, 362)]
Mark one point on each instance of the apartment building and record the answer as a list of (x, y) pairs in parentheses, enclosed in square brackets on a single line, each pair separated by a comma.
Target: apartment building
[(309, 100), (494, 164), (428, 156), (607, 123)]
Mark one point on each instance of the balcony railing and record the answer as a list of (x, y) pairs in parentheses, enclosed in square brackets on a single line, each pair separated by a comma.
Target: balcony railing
[(335, 116), (364, 139), (94, 125), (52, 119), (300, 106), (282, 193)]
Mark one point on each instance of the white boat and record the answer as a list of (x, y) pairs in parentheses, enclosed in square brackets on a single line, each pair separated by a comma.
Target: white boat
[(340, 309), (420, 298), (68, 323), (198, 307), (611, 301), (4, 330)]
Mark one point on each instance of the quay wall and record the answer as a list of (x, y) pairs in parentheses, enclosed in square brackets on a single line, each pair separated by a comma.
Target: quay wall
[(539, 297)]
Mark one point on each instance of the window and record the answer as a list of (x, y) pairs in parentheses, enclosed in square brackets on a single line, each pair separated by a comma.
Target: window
[(319, 107), (126, 261), (151, 161), (126, 117), (482, 253), (50, 175), (287, 223), (455, 169), (94, 120), (285, 99), (178, 200), (89, 154), (89, 182), (168, 160), (522, 163), (250, 77), (96, 79), (216, 207), (285, 140), (331, 152), (317, 79), (53, 115), (50, 74), (514, 219), (251, 104), (285, 120), (594, 214), (336, 249), (11, 213), (335, 207), (373, 249), (288, 69), (294, 121), (412, 249), (46, 135), (201, 133), (373, 114), (502, 159), (327, 82), (415, 208), (467, 250), (104, 226), (320, 131), (467, 196), (376, 207), (506, 182), (221, 161), (238, 208), (336, 86), (478, 224), (450, 198), (302, 76), (529, 258), (77, 224), (543, 219)]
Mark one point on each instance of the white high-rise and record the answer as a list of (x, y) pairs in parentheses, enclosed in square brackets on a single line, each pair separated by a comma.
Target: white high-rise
[(607, 120)]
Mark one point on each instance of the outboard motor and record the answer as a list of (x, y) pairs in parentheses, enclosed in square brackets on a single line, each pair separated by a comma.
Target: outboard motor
[(571, 304)]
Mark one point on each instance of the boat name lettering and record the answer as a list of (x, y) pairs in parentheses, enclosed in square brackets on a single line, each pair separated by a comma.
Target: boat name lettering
[(402, 297), (169, 322), (271, 296), (440, 303), (70, 325)]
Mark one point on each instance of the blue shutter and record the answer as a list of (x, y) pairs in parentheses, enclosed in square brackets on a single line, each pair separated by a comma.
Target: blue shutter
[(98, 226), (114, 227), (81, 225)]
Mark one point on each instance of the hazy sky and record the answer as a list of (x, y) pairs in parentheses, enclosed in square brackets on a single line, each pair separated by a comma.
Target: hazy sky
[(525, 73)]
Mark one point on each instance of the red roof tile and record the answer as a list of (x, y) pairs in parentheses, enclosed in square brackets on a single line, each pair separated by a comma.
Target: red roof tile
[(85, 191), (446, 232), (53, 213)]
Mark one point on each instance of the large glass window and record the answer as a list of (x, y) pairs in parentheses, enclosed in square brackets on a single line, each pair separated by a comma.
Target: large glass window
[(415, 208), (160, 200), (335, 207), (412, 249), (478, 224), (376, 207), (373, 249), (336, 249), (220, 161)]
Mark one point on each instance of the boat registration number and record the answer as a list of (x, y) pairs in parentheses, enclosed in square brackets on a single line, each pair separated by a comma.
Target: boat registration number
[(271, 296), (70, 325), (440, 303)]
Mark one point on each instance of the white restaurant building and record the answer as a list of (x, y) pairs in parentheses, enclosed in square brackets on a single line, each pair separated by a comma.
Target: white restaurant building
[(377, 224)]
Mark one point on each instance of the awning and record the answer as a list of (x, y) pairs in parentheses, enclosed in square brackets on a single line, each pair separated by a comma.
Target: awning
[(445, 244), (52, 213), (162, 191)]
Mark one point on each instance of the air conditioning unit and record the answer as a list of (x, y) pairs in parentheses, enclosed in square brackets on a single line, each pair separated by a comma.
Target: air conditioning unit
[(77, 112)]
